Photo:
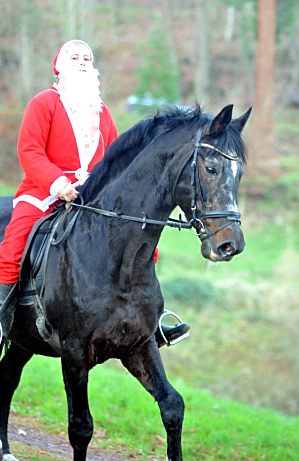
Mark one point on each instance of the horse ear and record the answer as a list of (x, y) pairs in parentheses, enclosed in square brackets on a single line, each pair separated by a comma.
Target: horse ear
[(221, 121), (240, 122)]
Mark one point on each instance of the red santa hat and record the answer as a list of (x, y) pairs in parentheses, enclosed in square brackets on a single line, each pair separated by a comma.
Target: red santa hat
[(62, 52)]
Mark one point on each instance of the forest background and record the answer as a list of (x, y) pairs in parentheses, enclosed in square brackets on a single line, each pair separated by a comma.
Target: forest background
[(183, 51), (214, 52)]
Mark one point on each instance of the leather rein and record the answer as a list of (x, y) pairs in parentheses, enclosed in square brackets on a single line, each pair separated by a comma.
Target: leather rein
[(203, 233)]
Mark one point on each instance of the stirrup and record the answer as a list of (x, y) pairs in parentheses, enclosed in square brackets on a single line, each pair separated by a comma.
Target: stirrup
[(173, 341), (48, 334)]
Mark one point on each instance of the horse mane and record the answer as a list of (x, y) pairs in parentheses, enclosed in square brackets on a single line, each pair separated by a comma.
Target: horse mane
[(120, 154)]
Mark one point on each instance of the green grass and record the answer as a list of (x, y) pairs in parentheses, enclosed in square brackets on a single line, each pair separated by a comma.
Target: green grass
[(265, 243), (6, 189), (125, 414), (125, 120), (243, 314)]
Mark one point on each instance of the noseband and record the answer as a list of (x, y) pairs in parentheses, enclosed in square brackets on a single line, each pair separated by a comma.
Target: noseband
[(231, 216)]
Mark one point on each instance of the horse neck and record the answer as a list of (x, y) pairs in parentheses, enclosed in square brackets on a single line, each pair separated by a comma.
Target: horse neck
[(120, 154), (142, 188), (147, 184)]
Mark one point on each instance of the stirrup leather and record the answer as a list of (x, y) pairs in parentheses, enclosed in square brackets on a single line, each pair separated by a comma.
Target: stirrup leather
[(173, 341)]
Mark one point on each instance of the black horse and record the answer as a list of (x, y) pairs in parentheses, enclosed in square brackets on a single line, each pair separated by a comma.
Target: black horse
[(101, 292)]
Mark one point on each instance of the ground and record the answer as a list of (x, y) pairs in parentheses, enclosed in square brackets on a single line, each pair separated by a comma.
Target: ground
[(23, 431)]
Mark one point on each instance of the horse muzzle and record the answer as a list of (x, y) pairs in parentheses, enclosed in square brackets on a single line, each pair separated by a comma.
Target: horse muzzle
[(224, 245)]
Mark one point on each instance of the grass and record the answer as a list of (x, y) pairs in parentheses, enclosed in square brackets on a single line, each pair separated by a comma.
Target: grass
[(243, 315), (6, 189), (124, 120), (266, 240), (125, 415)]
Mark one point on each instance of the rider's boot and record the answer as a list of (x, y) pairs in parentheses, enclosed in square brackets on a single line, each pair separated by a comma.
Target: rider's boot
[(8, 303), (170, 333)]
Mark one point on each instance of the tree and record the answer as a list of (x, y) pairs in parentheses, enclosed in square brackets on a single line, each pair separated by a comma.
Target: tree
[(158, 74)]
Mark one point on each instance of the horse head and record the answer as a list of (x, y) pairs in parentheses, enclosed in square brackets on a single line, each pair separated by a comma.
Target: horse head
[(217, 167)]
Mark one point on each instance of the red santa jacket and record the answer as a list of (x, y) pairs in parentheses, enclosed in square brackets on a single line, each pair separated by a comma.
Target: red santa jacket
[(47, 146)]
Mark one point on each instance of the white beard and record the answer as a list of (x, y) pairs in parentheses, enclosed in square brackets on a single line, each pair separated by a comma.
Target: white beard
[(81, 89)]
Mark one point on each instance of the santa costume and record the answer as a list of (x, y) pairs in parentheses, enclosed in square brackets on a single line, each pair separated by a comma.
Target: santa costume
[(51, 146)]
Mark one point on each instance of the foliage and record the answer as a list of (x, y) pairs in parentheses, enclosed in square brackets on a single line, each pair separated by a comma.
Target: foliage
[(190, 292), (285, 191), (158, 74), (287, 15)]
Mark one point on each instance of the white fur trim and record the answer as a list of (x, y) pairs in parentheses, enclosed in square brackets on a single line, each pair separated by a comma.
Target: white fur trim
[(41, 204), (57, 185)]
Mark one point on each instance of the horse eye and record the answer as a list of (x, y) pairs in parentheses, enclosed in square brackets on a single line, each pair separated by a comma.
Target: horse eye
[(211, 170)]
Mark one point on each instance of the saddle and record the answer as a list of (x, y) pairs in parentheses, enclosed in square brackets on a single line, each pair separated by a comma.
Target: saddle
[(34, 262)]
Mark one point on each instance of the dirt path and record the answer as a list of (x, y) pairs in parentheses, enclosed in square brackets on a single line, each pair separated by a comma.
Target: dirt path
[(24, 430)]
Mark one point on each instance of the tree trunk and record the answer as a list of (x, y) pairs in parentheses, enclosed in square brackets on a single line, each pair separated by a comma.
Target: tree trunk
[(26, 61), (262, 121), (202, 52)]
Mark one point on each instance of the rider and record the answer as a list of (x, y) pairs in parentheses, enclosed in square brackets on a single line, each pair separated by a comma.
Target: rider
[(64, 133)]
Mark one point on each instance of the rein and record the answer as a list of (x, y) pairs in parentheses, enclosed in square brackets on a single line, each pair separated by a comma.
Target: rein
[(204, 234), (171, 222)]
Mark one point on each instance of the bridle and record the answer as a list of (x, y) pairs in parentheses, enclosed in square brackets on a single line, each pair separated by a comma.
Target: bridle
[(235, 216), (203, 233)]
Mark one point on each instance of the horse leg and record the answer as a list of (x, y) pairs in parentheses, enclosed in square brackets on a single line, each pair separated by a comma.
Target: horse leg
[(11, 367), (80, 428), (146, 365)]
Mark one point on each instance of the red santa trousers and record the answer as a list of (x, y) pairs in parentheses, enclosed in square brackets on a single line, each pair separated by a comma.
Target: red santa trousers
[(24, 216)]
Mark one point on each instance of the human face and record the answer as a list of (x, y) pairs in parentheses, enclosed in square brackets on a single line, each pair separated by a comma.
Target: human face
[(78, 57)]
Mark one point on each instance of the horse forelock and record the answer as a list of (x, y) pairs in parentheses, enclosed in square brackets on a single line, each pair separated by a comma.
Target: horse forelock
[(231, 142)]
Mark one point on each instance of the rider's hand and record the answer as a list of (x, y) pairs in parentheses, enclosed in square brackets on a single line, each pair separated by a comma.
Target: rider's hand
[(68, 192)]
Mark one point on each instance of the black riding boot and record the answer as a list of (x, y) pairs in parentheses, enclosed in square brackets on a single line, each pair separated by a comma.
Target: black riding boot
[(8, 303), (171, 333)]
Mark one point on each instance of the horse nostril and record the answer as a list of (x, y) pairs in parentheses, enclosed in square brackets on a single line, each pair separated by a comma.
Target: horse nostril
[(227, 248)]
